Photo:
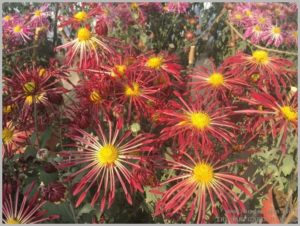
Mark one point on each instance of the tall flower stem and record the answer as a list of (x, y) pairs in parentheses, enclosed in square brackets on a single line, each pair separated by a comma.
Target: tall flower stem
[(36, 124)]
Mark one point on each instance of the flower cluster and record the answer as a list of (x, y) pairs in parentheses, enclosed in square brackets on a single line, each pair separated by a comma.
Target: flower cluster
[(270, 24), (105, 120)]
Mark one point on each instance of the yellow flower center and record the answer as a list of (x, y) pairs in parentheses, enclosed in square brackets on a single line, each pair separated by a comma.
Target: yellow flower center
[(134, 6), (261, 20), (276, 30), (289, 113), (42, 72), (238, 16), (17, 29), (260, 56), (95, 96), (133, 90), (257, 28), (216, 79), (37, 98), (154, 62), (7, 18), (81, 16), (200, 120), (108, 154), (29, 87), (203, 173), (121, 68), (83, 34), (7, 135), (7, 109), (38, 13), (248, 13), (255, 77), (12, 220)]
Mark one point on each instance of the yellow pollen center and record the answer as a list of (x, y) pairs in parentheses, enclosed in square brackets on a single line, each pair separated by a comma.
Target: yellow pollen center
[(121, 68), (257, 28), (289, 113), (17, 29), (108, 154), (216, 79), (29, 87), (7, 18), (238, 16), (133, 90), (255, 77), (42, 72), (248, 13), (203, 173), (260, 56), (134, 6), (38, 13), (95, 96), (83, 34), (261, 20), (7, 135), (81, 16), (276, 30), (7, 109), (154, 62), (200, 120), (12, 220)]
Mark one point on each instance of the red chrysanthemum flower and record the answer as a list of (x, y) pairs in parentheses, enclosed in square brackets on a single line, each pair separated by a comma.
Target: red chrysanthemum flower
[(33, 85), (215, 81), (106, 161), (87, 45), (200, 184), (138, 91), (94, 94), (26, 210), (196, 124), (161, 67), (13, 139), (277, 113), (270, 69)]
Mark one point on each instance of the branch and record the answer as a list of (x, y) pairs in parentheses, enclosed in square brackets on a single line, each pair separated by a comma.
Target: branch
[(20, 50), (222, 12), (258, 46)]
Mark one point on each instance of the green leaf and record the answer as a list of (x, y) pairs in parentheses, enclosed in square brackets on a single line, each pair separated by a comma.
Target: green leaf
[(288, 165), (62, 209), (47, 178), (85, 209)]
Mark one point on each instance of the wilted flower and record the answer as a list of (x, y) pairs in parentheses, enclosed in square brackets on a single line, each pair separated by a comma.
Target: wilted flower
[(54, 192)]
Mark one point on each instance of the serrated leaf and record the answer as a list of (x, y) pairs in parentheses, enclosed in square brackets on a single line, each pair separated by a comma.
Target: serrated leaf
[(47, 178), (288, 165), (62, 209)]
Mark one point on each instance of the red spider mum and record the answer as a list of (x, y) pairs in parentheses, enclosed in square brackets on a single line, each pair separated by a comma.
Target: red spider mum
[(94, 94), (197, 123), (26, 210), (29, 86), (199, 183), (106, 161), (138, 91), (162, 66), (270, 69), (87, 45), (13, 139), (215, 80), (83, 16), (279, 113)]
